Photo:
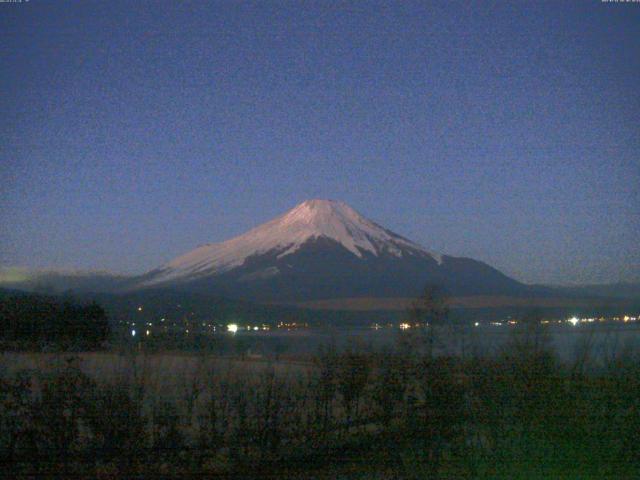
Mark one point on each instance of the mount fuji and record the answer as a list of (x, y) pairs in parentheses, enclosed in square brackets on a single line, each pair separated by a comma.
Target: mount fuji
[(324, 249)]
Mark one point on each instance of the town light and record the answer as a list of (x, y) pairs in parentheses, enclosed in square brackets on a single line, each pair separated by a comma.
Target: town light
[(232, 327)]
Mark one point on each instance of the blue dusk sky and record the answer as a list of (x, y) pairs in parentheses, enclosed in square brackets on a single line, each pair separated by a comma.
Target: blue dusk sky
[(508, 132)]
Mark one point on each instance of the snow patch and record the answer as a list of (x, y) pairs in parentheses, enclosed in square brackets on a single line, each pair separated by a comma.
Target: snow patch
[(260, 274)]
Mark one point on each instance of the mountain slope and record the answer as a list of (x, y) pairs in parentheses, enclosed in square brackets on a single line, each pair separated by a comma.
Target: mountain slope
[(324, 249), (285, 235)]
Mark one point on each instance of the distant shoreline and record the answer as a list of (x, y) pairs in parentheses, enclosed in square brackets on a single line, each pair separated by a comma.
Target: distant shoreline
[(472, 301)]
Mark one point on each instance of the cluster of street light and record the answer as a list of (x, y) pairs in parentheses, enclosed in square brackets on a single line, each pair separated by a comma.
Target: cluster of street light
[(234, 327)]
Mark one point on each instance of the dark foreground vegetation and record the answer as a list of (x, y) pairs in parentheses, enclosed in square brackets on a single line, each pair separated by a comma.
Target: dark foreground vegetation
[(407, 411), (400, 413), (34, 322)]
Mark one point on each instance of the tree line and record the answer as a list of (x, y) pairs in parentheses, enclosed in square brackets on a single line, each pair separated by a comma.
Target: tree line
[(33, 321)]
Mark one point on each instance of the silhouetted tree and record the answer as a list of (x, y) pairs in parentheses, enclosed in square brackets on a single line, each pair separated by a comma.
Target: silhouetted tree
[(353, 374), (34, 320), (327, 363), (426, 315)]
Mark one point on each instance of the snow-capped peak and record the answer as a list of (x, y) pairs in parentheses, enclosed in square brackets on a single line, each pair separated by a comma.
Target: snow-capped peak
[(285, 234), (339, 222)]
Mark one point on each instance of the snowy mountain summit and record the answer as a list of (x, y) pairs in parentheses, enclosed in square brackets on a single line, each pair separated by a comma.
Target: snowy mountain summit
[(310, 220), (322, 249)]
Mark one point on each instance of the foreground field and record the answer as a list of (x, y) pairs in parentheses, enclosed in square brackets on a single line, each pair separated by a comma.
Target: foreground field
[(161, 373)]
